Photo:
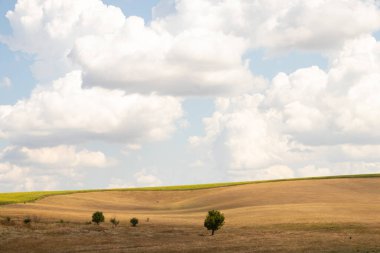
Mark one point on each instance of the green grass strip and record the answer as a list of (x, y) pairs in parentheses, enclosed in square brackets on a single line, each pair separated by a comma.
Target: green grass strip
[(23, 197)]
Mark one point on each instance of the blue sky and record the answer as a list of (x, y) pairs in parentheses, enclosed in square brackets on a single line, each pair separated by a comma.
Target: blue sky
[(99, 94), (12, 64)]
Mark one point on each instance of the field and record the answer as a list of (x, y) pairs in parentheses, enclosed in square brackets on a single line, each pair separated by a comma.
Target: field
[(20, 197), (313, 215)]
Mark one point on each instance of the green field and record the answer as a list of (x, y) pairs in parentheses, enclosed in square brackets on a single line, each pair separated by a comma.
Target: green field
[(20, 197)]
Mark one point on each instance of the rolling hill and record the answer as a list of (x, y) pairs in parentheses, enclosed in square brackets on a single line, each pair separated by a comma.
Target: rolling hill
[(346, 204)]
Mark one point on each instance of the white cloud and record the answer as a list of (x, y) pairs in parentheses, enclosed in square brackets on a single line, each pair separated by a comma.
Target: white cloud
[(129, 148), (196, 62), (276, 25), (241, 137), (368, 153), (308, 120), (338, 106), (300, 124), (48, 168), (43, 182), (116, 183), (118, 52), (271, 172), (197, 50), (11, 172), (5, 82), (21, 178), (276, 172), (67, 113), (62, 156), (143, 178), (48, 29)]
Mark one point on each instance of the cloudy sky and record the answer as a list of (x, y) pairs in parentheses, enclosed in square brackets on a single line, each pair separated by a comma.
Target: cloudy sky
[(123, 93)]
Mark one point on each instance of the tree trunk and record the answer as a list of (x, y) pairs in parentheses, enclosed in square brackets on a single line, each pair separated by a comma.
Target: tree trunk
[(212, 233)]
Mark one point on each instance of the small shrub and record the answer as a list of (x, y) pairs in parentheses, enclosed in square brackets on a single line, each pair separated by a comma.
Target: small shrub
[(27, 220), (114, 222), (7, 221), (97, 217), (214, 221), (88, 222), (61, 221), (134, 222)]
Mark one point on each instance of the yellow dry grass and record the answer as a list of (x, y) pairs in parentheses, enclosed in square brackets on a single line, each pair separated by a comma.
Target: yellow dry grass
[(288, 208)]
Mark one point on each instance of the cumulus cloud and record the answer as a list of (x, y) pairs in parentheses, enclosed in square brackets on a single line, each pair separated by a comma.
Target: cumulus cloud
[(144, 178), (47, 168), (66, 113), (307, 120), (195, 48), (121, 52), (243, 138), (48, 30), (59, 156), (275, 25), (11, 172), (111, 78), (21, 178), (195, 62), (141, 178)]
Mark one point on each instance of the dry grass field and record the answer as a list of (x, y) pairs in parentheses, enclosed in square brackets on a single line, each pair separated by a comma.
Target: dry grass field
[(331, 215)]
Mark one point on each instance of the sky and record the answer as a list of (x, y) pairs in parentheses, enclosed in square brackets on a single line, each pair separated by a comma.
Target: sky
[(128, 93)]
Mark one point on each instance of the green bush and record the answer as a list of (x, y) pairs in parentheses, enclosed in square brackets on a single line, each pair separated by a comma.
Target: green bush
[(27, 220), (97, 217), (214, 221), (134, 221), (114, 222)]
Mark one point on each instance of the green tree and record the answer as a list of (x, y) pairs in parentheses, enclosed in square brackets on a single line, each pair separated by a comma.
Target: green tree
[(97, 217), (134, 221), (214, 221)]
